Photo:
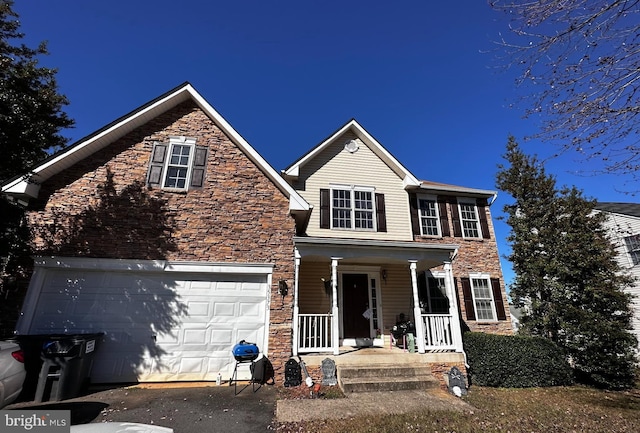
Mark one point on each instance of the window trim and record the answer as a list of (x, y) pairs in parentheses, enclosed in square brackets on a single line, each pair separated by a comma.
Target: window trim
[(633, 254), (437, 216), (352, 189), (476, 220), (178, 141), (487, 279)]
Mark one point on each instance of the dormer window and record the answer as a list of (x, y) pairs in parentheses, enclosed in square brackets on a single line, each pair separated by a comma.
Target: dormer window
[(177, 165)]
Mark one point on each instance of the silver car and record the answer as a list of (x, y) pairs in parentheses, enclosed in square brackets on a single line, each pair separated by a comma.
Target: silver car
[(119, 427), (12, 372)]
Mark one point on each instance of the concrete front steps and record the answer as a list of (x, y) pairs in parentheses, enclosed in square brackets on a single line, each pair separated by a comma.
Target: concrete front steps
[(385, 377)]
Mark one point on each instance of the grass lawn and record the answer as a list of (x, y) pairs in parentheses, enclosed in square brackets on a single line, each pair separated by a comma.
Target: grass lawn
[(561, 409)]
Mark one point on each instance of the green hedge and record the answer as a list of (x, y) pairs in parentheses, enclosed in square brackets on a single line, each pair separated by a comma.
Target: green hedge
[(514, 361)]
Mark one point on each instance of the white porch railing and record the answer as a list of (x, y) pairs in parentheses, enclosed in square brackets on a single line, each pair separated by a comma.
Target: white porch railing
[(314, 332), (438, 331)]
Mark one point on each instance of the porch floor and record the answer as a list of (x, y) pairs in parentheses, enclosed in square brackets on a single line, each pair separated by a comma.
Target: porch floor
[(381, 355)]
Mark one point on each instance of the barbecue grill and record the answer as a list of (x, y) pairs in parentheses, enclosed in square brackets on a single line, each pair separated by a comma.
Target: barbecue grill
[(243, 353)]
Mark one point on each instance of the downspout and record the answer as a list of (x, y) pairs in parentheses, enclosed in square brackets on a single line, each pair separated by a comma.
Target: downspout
[(493, 199)]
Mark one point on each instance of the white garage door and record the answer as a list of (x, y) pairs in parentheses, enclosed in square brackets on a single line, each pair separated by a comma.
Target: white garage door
[(162, 322)]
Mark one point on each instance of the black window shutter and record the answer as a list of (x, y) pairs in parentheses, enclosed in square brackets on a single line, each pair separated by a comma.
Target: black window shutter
[(482, 215), (156, 166), (455, 217), (199, 167), (444, 218), (497, 299), (381, 218), (415, 219), (468, 298), (325, 209)]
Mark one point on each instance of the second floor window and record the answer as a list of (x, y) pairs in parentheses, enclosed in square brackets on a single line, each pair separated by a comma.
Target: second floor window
[(633, 247), (349, 207), (178, 166), (428, 210), (469, 220), (352, 208)]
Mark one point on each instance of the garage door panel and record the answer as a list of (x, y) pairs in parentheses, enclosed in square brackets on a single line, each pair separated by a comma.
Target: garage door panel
[(199, 309), (224, 309), (221, 337), (249, 309)]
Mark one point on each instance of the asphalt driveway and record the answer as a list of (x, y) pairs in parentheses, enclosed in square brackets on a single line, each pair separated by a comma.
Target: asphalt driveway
[(187, 408)]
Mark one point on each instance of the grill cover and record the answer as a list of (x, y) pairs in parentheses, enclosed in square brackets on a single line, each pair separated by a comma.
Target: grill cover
[(244, 351)]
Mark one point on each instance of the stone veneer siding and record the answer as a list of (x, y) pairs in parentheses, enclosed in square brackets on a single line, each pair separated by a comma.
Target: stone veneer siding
[(476, 255), (239, 215)]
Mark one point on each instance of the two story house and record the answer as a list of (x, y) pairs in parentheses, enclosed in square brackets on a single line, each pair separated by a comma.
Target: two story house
[(168, 232), (382, 246)]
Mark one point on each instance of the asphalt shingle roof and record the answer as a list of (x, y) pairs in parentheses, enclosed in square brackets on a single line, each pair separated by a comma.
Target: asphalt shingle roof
[(632, 209)]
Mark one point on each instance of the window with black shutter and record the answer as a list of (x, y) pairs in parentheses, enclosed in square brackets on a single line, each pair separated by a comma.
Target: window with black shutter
[(352, 208), (483, 298), (178, 165)]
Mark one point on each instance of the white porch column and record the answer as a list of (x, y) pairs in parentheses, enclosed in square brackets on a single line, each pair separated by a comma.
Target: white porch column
[(449, 285), (335, 320), (417, 314), (296, 310)]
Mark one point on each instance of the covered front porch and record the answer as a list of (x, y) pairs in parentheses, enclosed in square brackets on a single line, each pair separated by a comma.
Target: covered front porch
[(351, 293)]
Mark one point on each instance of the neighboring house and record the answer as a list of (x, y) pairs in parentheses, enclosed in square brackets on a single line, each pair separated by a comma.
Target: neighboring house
[(167, 231), (624, 226), (516, 315)]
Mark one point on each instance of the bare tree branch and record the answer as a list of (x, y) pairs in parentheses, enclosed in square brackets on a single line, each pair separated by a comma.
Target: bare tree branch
[(583, 59)]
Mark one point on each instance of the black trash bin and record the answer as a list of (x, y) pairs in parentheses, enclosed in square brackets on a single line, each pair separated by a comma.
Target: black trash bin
[(65, 362)]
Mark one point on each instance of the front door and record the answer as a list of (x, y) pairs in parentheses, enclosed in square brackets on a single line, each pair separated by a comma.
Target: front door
[(355, 298)]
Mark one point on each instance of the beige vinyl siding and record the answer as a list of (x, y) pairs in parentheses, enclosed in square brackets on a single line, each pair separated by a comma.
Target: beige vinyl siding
[(311, 295), (397, 296), (334, 166), (622, 226)]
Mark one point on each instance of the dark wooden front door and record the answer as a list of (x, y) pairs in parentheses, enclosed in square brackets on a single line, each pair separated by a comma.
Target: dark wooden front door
[(355, 296)]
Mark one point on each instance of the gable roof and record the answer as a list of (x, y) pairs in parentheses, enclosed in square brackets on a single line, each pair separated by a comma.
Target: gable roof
[(28, 184), (352, 125), (631, 209)]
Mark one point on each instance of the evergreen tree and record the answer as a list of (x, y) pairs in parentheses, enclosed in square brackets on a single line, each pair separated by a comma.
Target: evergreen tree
[(31, 118), (566, 273)]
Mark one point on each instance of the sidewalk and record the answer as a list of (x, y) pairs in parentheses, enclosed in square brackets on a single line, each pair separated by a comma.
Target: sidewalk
[(368, 403)]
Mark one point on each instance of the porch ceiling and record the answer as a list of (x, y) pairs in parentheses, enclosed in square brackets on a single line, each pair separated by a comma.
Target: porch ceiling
[(362, 251)]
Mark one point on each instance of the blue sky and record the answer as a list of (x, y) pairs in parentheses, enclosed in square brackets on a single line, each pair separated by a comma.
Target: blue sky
[(420, 76)]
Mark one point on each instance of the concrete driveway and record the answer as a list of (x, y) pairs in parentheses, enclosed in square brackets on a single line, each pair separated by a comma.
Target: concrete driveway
[(183, 407)]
